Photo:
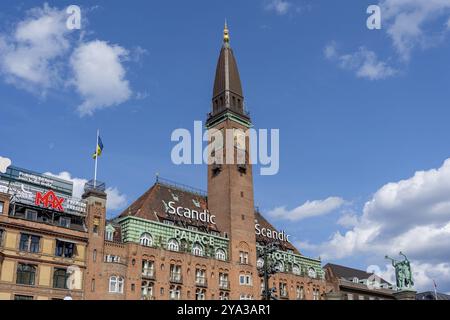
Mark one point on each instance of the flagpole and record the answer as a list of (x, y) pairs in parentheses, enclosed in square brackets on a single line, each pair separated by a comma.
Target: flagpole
[(96, 158), (435, 291)]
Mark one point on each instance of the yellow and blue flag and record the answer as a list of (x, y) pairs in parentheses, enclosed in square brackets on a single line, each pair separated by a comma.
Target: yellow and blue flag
[(99, 150)]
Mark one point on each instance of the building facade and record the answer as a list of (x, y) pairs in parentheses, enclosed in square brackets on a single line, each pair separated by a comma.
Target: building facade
[(353, 284), (173, 242)]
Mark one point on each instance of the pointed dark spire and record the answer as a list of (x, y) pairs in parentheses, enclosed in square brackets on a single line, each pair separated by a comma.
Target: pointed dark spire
[(227, 92)]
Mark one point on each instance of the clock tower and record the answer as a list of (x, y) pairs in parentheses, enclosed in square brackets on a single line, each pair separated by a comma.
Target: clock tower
[(230, 181)]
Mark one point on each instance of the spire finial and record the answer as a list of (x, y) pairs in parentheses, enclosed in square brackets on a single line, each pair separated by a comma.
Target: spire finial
[(226, 34)]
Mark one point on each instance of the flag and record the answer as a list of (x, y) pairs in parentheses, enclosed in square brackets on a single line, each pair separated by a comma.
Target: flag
[(99, 150)]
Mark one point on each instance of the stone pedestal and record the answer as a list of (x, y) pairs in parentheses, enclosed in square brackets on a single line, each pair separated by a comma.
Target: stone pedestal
[(405, 295)]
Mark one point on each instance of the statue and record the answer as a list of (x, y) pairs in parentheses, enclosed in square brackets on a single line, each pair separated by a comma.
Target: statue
[(403, 273)]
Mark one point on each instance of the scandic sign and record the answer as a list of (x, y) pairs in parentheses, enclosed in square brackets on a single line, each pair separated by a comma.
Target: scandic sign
[(49, 200)]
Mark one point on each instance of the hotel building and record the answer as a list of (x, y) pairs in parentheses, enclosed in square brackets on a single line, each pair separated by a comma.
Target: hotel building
[(173, 242)]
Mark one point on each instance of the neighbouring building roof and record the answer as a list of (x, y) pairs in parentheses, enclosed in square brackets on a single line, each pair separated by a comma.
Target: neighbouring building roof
[(152, 206), (347, 273)]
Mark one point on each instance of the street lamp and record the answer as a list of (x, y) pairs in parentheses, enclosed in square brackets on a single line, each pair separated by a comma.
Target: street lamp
[(266, 267)]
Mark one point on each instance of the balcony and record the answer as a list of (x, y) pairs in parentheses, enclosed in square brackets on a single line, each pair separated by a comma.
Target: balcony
[(224, 285), (284, 294), (201, 282), (176, 278), (148, 274)]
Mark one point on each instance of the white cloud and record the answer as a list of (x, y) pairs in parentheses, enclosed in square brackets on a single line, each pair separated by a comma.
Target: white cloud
[(412, 216), (4, 164), (280, 7), (348, 220), (363, 62), (308, 209), (115, 199), (407, 22), (40, 54), (99, 75), (29, 54)]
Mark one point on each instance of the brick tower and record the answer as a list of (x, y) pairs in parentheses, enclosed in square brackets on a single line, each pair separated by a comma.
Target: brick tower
[(230, 185)]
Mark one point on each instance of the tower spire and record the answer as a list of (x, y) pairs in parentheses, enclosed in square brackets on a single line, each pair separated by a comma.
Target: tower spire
[(227, 91), (226, 33)]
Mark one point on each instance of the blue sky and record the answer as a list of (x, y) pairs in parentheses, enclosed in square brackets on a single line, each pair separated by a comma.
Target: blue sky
[(357, 109)]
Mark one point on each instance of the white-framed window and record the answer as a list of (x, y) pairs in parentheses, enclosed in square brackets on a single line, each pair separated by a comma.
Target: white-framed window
[(173, 245), (147, 290), (245, 280), (146, 240), (148, 268), (175, 292), (349, 296), (64, 222), (312, 272), (221, 255), (223, 280), (243, 257), (200, 276), (283, 289), (116, 284), (2, 204), (175, 272), (245, 297), (296, 269), (200, 294), (109, 235), (224, 295), (355, 280), (112, 258), (316, 294), (197, 249), (300, 293)]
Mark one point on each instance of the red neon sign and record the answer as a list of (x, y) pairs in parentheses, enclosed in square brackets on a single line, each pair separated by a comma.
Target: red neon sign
[(49, 200)]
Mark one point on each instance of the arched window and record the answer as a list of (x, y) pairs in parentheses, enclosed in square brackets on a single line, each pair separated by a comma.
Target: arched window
[(200, 294), (146, 240), (296, 269), (147, 290), (197, 249), (279, 266), (221, 255), (115, 284), (173, 245)]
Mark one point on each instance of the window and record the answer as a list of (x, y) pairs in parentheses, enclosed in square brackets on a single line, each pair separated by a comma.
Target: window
[(175, 293), (355, 280), (349, 296), (93, 285), (30, 214), (26, 274), (2, 205), (112, 258), (197, 250), (64, 222), (283, 290), (245, 297), (173, 245), (60, 277), (224, 296), (312, 272), (245, 280), (64, 249), (148, 268), (223, 281), (22, 297), (175, 273), (221, 255), (116, 284), (1, 237), (29, 243), (146, 240), (94, 255), (279, 266), (200, 276), (296, 269), (147, 290), (200, 294), (300, 293), (109, 235), (243, 257)]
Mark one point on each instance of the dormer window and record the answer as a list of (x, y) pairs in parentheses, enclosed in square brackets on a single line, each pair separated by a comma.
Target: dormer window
[(355, 280)]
